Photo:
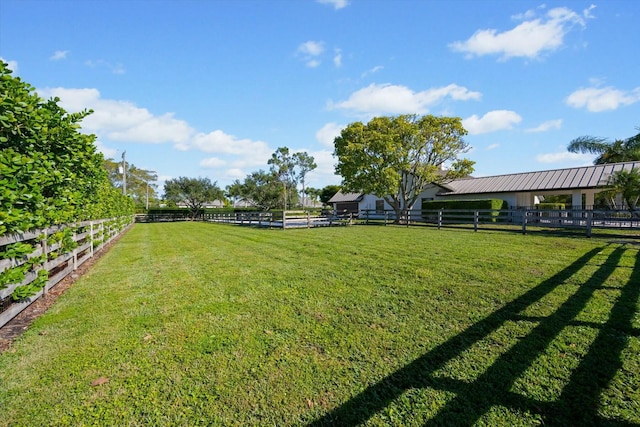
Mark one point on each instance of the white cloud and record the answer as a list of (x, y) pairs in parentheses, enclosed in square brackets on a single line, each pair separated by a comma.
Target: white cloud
[(394, 99), (58, 55), (12, 65), (114, 68), (597, 99), (372, 71), (121, 120), (108, 153), (212, 162), (492, 121), (530, 39), (492, 147), (311, 48), (337, 58), (244, 152), (328, 133), (235, 174), (565, 156), (325, 172), (310, 51), (546, 126), (337, 4)]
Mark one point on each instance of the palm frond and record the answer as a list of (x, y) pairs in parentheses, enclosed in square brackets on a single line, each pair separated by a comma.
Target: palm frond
[(588, 144)]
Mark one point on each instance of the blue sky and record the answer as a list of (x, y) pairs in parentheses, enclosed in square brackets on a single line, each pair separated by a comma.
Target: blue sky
[(212, 88)]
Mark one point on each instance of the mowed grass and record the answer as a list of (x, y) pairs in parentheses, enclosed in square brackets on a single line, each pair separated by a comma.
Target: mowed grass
[(205, 324)]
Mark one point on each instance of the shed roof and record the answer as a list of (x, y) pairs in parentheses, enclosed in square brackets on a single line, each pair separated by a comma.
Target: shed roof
[(341, 197), (559, 179)]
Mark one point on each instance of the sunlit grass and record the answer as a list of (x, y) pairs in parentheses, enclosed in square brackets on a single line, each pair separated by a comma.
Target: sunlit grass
[(203, 324)]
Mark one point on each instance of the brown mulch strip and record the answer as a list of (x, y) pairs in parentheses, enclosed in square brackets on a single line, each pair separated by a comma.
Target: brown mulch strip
[(19, 324)]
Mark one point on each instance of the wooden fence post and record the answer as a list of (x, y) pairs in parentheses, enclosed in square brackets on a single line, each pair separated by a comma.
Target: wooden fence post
[(590, 222), (524, 222), (476, 219), (75, 250), (439, 219), (45, 249), (91, 246)]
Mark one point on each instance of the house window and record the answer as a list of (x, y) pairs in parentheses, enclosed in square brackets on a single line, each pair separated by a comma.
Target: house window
[(379, 206)]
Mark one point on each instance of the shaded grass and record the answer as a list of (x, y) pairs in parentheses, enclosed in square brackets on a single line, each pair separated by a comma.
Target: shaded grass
[(201, 324)]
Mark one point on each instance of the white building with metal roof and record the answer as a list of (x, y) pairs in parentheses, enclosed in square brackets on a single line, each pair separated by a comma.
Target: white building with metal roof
[(519, 190)]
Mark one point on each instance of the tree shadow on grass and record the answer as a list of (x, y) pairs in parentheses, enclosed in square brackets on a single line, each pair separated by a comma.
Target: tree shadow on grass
[(579, 399)]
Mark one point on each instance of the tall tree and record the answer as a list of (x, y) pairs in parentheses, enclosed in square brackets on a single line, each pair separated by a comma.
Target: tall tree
[(305, 164), (283, 166), (194, 192), (262, 189), (620, 150), (397, 157)]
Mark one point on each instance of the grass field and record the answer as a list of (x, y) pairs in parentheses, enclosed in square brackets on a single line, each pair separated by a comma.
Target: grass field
[(203, 324)]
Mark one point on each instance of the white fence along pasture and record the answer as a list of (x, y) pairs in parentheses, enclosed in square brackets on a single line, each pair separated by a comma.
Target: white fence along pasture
[(88, 237)]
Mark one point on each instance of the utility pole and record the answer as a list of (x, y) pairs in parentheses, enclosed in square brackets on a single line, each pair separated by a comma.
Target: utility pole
[(124, 173), (147, 180)]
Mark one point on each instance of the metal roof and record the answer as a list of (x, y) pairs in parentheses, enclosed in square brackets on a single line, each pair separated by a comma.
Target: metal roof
[(559, 179), (341, 197)]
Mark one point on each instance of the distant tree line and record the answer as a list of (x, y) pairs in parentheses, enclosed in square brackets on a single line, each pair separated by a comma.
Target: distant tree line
[(275, 188)]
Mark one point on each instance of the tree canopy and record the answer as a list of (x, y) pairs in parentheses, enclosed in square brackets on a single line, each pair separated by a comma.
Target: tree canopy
[(328, 192), (397, 157), (262, 189), (194, 192)]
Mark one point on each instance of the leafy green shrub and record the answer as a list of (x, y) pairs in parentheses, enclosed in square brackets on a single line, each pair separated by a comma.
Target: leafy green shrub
[(50, 173)]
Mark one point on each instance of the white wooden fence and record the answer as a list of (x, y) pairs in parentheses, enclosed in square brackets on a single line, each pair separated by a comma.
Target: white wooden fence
[(88, 237)]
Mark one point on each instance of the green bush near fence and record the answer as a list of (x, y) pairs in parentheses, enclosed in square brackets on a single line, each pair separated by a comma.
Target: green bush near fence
[(494, 205), (550, 206)]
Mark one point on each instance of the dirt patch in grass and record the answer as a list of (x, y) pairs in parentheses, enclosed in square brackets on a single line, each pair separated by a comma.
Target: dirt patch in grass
[(19, 324)]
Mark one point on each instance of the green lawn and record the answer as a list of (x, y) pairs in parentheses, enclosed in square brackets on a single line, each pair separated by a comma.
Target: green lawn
[(205, 324)]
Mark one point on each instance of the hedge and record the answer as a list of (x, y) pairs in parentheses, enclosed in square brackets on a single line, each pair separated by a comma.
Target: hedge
[(494, 205)]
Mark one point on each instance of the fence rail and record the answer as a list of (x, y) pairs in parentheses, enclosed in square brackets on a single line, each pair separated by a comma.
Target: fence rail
[(512, 219), (287, 219), (522, 218), (53, 259)]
